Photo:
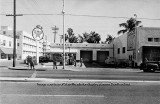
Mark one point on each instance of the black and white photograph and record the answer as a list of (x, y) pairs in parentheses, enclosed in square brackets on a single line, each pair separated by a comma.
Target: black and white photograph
[(79, 51)]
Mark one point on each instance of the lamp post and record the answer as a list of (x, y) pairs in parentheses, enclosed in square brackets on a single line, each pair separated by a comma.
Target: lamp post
[(63, 38)]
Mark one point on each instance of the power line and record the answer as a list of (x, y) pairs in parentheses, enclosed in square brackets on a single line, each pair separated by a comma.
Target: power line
[(94, 16)]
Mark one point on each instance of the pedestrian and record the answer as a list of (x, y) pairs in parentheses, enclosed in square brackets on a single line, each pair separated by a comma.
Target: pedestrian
[(81, 62), (32, 63), (75, 64), (28, 61), (54, 64)]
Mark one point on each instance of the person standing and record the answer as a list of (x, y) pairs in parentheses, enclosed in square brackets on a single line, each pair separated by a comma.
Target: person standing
[(54, 64), (81, 62), (31, 63), (75, 64)]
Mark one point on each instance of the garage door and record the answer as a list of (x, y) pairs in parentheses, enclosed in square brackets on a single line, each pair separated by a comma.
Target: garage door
[(102, 56), (86, 55)]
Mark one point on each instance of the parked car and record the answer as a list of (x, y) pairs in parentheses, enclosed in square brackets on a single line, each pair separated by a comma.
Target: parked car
[(151, 66), (43, 59)]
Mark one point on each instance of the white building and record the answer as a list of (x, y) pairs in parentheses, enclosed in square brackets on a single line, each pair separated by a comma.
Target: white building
[(121, 52), (26, 45), (6, 42), (88, 51), (135, 47)]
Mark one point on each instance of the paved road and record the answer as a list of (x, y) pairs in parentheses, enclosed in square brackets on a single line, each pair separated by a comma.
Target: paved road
[(37, 93), (47, 92), (103, 74)]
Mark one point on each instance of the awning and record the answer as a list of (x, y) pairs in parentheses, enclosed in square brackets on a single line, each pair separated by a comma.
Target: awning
[(6, 50)]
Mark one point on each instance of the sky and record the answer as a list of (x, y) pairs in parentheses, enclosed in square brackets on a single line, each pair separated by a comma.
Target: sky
[(100, 15)]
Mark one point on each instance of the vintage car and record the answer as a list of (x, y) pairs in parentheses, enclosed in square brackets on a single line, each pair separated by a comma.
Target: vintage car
[(151, 66)]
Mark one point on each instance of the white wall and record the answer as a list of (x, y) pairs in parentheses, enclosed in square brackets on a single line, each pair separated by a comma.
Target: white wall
[(121, 42), (77, 47)]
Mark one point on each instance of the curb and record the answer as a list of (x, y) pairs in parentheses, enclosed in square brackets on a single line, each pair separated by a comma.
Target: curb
[(24, 68), (80, 81)]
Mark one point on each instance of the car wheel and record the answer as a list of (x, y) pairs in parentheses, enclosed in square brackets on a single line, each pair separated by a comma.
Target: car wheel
[(152, 70)]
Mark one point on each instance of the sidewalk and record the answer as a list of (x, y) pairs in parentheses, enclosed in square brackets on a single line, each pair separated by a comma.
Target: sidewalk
[(46, 67), (49, 67)]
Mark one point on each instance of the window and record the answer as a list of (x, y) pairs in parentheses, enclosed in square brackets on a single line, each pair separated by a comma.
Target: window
[(118, 50), (156, 39), (4, 32), (130, 57), (17, 44), (150, 39), (123, 50), (10, 43), (4, 42)]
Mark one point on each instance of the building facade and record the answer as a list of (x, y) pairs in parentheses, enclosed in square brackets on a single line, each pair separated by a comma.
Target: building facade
[(129, 47), (89, 52), (147, 44), (26, 45), (6, 43), (121, 52), (135, 47)]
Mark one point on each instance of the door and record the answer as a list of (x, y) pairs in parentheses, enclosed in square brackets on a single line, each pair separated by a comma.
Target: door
[(86, 55), (102, 56)]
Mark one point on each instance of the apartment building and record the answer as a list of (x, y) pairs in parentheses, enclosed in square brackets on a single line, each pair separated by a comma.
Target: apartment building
[(6, 44), (26, 45)]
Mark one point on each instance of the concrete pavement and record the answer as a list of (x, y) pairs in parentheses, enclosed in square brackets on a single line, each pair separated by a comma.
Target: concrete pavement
[(49, 66)]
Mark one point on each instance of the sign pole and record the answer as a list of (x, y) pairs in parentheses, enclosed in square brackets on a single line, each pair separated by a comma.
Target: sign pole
[(37, 52), (38, 35)]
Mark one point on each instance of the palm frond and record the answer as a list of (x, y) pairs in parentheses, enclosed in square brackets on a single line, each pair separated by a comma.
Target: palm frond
[(122, 31)]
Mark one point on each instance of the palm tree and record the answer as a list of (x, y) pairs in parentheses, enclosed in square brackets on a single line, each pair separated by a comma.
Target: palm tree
[(92, 37), (109, 39), (80, 39), (129, 26), (71, 36)]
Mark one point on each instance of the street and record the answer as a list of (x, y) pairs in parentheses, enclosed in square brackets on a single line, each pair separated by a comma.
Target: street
[(103, 74), (34, 92), (79, 86)]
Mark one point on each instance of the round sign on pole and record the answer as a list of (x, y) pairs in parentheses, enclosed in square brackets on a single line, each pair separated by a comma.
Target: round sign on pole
[(37, 33)]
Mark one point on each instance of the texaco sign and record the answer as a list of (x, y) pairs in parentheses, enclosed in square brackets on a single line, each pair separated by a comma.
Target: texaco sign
[(37, 33)]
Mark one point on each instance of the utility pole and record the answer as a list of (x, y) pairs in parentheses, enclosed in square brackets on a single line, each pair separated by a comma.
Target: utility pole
[(14, 32), (63, 12), (61, 37), (55, 29)]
